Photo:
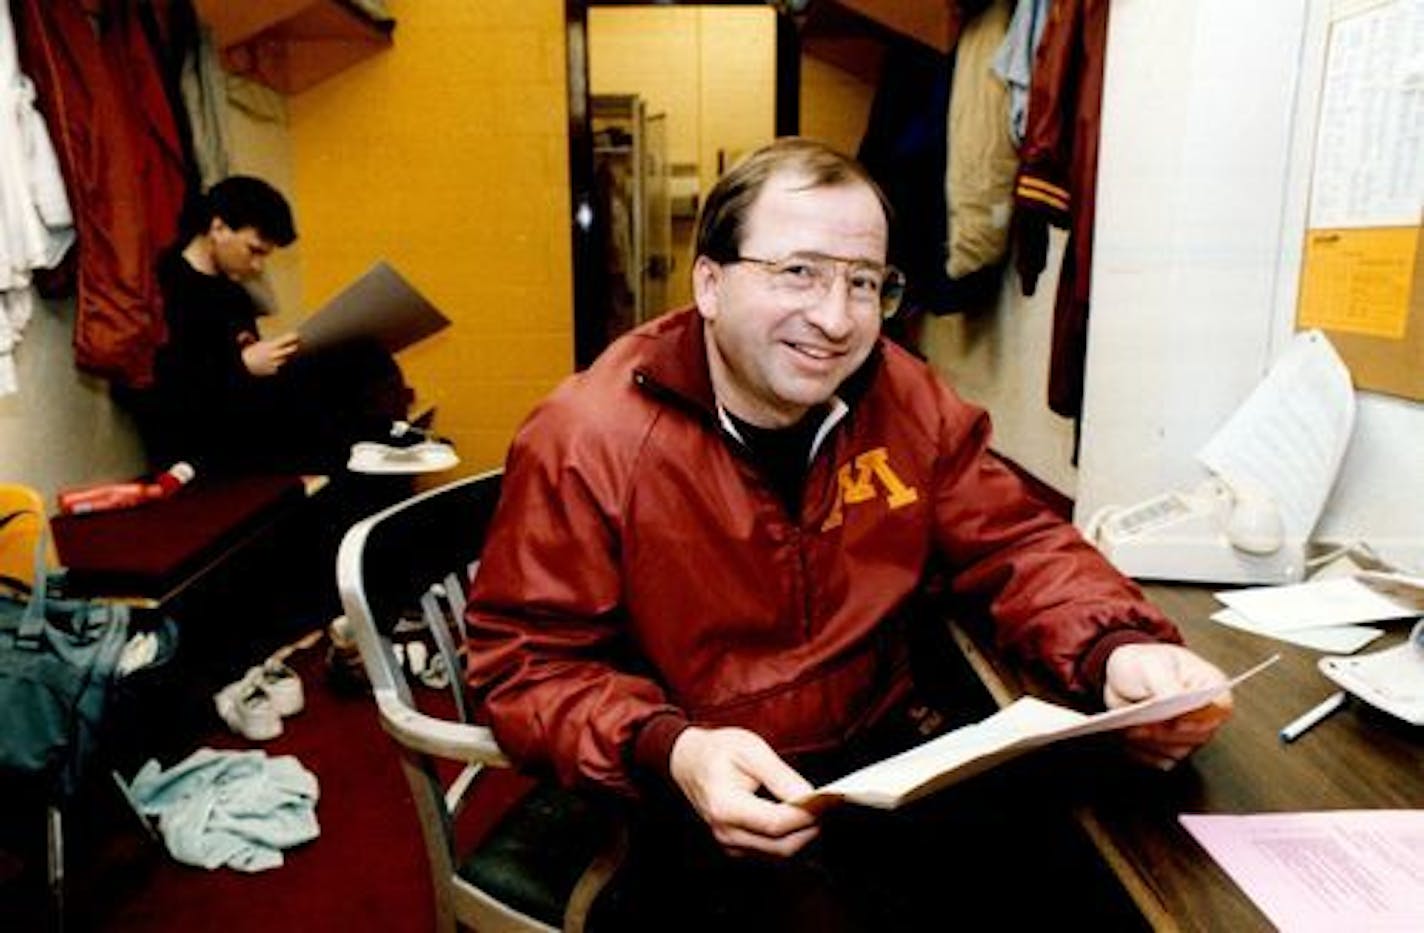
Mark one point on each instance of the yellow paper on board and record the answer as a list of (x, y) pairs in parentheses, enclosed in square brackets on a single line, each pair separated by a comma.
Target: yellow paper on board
[(1357, 281)]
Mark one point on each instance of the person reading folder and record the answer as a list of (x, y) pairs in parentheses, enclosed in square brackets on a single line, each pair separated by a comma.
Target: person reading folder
[(698, 591), (228, 398)]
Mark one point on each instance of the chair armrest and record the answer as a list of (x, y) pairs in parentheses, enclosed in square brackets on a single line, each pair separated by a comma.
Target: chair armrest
[(454, 740)]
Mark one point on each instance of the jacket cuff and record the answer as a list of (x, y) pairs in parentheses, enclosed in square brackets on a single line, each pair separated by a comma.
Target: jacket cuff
[(1038, 194), (652, 749), (1094, 668)]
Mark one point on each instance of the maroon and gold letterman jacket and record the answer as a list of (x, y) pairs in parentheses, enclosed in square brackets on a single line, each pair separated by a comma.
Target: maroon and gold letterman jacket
[(641, 575), (1057, 181)]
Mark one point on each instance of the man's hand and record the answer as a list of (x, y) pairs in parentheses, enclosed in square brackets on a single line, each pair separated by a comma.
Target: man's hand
[(720, 771), (265, 357), (1144, 671)]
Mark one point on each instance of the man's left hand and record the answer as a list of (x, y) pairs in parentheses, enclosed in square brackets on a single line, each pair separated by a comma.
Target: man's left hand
[(1139, 672)]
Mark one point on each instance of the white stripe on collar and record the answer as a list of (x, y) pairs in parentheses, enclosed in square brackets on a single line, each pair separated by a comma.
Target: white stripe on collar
[(838, 411)]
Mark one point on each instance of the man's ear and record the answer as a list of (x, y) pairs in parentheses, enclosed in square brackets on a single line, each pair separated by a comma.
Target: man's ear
[(706, 278)]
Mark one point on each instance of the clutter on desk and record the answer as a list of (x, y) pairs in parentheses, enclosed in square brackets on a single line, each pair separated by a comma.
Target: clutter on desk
[(1327, 870), (1271, 467), (1326, 613), (1391, 679)]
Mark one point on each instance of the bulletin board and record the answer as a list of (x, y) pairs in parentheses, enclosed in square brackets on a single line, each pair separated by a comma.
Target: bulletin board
[(1362, 269)]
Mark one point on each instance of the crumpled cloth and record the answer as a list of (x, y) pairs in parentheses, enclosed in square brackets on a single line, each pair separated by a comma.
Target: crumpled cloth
[(238, 809)]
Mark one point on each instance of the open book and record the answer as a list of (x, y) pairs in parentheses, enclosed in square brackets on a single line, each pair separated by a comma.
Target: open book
[(1022, 726)]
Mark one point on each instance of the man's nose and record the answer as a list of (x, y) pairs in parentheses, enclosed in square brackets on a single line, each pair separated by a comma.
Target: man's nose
[(831, 314)]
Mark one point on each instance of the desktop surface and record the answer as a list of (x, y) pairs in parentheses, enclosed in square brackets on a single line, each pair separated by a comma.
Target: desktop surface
[(1358, 758)]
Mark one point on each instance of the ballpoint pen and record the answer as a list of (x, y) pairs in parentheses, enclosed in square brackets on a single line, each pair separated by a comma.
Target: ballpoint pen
[(1313, 716)]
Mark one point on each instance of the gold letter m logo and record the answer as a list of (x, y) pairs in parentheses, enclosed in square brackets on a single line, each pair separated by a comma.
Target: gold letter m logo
[(857, 486)]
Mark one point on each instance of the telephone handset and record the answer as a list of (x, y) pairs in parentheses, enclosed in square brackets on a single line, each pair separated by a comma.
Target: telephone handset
[(1216, 533)]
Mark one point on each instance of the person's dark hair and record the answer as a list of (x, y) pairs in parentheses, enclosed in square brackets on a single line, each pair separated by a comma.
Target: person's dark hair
[(722, 221), (243, 201)]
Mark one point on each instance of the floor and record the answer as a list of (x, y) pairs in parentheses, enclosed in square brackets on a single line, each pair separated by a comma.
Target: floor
[(366, 871)]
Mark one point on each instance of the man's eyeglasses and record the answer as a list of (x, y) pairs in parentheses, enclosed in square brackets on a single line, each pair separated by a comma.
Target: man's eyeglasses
[(806, 278)]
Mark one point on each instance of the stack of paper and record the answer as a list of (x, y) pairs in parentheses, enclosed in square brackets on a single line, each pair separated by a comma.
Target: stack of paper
[(1324, 614)]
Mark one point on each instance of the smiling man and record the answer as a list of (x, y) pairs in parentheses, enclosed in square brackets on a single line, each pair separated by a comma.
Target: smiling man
[(698, 585)]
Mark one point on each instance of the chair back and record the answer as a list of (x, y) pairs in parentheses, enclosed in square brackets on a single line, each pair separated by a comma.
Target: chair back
[(404, 571), (408, 561)]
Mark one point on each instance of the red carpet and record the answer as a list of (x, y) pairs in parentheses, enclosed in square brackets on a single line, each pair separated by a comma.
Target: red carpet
[(367, 871)]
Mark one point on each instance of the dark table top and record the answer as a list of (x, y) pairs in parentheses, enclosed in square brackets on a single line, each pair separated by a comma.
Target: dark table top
[(1358, 758)]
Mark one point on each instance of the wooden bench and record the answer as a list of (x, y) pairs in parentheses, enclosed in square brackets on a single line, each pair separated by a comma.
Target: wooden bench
[(153, 554)]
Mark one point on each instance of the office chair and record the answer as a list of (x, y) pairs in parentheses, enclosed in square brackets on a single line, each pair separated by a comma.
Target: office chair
[(405, 570)]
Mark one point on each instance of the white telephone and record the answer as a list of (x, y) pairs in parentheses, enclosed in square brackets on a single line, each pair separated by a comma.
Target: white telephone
[(1213, 534)]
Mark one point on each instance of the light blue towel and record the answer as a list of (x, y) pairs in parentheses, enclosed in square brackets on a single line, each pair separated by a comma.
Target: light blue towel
[(239, 809)]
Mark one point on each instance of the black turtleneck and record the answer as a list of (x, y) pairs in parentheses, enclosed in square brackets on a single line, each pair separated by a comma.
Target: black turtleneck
[(783, 454)]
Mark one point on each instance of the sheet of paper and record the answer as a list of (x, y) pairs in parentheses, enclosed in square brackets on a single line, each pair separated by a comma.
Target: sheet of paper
[(1288, 438), (1402, 588), (1025, 724), (1340, 639), (380, 306), (1369, 153), (1391, 679), (1352, 870), (1313, 604), (1358, 281)]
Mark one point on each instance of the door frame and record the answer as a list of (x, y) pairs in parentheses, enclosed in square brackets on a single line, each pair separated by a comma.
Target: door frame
[(591, 310)]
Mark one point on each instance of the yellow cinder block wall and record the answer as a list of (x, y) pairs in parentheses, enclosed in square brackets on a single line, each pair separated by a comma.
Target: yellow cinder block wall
[(448, 156)]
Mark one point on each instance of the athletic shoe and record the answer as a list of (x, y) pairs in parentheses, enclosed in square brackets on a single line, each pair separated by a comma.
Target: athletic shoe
[(283, 685), (248, 710)]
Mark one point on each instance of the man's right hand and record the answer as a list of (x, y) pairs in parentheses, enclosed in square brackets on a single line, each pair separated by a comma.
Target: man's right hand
[(720, 771), (265, 357)]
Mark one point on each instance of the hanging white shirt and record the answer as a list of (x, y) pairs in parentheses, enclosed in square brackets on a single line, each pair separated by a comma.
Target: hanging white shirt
[(36, 225)]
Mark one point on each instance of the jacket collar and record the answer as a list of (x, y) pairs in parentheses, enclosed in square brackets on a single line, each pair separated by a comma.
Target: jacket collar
[(676, 365)]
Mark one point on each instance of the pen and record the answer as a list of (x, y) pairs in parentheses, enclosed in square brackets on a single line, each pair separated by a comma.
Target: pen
[(1311, 717)]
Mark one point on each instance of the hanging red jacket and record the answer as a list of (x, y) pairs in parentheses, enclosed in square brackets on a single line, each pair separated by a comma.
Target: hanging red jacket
[(1057, 180), (97, 85)]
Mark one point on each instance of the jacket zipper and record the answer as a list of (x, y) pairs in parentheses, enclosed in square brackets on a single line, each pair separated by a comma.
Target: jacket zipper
[(803, 577)]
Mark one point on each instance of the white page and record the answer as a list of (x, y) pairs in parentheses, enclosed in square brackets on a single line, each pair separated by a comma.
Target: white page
[(1025, 724), (1341, 639), (1369, 153), (1313, 604), (1391, 679), (1288, 438), (1351, 870), (1010, 728)]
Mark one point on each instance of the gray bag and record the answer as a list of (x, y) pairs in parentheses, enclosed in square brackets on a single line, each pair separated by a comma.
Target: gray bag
[(57, 661)]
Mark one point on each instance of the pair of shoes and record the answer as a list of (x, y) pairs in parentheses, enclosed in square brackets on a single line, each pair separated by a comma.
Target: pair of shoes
[(253, 706)]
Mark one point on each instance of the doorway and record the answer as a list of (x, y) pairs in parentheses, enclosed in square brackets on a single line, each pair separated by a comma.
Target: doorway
[(663, 97)]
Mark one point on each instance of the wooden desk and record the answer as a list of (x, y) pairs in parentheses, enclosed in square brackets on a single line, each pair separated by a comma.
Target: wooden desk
[(1358, 758)]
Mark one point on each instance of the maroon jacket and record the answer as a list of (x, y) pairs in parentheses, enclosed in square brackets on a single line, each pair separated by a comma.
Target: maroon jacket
[(1057, 181), (640, 573), (98, 86)]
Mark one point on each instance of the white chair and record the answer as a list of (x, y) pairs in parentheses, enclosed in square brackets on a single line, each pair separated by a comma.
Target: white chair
[(402, 573)]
